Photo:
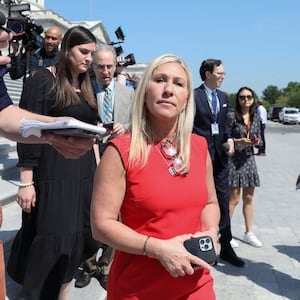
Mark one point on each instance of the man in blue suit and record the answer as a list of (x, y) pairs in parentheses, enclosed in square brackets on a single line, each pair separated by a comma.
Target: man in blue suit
[(211, 123)]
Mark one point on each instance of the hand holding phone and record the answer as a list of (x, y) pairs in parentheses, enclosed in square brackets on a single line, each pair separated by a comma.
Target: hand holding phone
[(109, 125), (203, 248)]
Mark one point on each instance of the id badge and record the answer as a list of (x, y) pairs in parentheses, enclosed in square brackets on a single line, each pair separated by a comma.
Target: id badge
[(214, 128), (41, 62)]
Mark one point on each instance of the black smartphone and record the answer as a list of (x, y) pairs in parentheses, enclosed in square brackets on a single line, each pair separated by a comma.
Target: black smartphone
[(109, 125), (203, 247)]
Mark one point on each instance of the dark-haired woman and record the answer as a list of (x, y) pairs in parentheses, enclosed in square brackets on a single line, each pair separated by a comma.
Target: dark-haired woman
[(245, 130), (54, 191)]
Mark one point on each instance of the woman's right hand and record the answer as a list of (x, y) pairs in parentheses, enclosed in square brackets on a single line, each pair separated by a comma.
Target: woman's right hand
[(173, 255), (26, 198)]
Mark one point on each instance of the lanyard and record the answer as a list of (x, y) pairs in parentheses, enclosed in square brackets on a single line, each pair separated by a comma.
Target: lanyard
[(247, 128)]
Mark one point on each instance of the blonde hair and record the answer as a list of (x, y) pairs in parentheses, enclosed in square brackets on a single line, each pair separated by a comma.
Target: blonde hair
[(140, 133)]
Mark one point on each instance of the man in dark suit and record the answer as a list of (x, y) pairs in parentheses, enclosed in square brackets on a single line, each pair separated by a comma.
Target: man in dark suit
[(211, 122)]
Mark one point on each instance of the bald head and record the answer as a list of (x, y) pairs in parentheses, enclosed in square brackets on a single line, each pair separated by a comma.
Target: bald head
[(52, 39)]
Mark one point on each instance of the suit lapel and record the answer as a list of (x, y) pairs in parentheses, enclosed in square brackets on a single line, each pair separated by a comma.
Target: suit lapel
[(204, 102)]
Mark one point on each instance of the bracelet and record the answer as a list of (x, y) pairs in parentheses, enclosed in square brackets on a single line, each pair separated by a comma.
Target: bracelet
[(25, 184), (145, 245)]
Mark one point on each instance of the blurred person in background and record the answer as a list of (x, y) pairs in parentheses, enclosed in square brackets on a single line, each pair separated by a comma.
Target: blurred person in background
[(244, 125), (210, 122), (43, 57), (262, 113)]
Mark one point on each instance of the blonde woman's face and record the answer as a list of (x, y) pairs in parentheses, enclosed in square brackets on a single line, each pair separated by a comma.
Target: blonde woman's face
[(167, 93)]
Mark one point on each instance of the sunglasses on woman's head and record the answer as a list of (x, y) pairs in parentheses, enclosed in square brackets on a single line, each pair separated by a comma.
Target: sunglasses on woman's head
[(170, 151)]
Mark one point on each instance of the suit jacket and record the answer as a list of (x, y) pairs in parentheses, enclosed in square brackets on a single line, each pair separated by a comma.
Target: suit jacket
[(123, 101), (123, 104), (203, 120)]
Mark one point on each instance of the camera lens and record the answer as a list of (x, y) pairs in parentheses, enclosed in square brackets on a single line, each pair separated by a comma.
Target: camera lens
[(16, 27)]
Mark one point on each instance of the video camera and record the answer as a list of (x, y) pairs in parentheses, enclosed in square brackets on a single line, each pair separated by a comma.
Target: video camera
[(129, 59), (24, 29)]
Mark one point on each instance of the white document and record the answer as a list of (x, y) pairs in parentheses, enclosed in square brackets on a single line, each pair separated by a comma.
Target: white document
[(69, 127)]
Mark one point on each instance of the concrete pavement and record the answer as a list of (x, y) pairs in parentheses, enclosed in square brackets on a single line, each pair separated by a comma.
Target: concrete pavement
[(271, 272)]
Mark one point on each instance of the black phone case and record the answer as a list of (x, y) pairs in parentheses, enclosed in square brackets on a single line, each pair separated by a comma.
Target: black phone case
[(202, 247), (109, 126)]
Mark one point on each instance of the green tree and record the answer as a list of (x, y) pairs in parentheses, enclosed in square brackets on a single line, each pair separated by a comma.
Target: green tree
[(231, 100), (292, 88), (282, 101), (294, 99), (271, 93)]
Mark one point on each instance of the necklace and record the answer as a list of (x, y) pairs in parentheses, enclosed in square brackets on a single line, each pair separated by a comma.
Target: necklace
[(169, 152), (167, 162)]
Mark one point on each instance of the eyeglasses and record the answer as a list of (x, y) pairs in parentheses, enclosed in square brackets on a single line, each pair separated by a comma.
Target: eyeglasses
[(243, 98), (169, 151), (102, 67)]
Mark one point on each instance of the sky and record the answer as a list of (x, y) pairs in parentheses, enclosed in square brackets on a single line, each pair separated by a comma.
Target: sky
[(258, 41)]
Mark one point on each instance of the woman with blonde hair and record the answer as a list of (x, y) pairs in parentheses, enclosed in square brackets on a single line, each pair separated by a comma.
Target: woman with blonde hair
[(158, 178)]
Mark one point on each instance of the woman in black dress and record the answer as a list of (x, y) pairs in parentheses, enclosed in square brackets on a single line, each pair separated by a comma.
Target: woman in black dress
[(245, 129), (55, 192)]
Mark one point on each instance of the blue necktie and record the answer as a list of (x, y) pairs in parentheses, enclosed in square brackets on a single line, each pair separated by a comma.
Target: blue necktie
[(107, 107), (214, 103)]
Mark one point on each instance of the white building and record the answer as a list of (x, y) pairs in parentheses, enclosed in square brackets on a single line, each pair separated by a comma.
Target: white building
[(47, 18)]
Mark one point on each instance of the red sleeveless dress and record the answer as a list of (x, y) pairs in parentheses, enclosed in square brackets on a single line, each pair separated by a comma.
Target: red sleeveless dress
[(160, 205)]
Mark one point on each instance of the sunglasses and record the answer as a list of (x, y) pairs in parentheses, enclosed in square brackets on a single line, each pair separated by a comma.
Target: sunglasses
[(169, 151), (243, 98)]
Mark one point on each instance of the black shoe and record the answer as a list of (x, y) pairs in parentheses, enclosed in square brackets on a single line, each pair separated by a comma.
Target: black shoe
[(228, 254), (101, 278), (82, 279)]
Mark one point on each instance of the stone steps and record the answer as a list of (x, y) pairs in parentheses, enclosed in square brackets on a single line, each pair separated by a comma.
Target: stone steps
[(14, 88), (9, 173)]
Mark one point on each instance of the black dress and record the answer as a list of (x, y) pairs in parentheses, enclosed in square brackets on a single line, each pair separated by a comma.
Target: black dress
[(242, 166), (49, 246)]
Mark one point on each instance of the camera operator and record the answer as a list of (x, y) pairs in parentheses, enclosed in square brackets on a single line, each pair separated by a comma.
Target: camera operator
[(42, 57), (120, 73)]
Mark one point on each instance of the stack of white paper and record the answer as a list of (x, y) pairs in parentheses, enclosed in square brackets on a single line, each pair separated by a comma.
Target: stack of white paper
[(34, 127)]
